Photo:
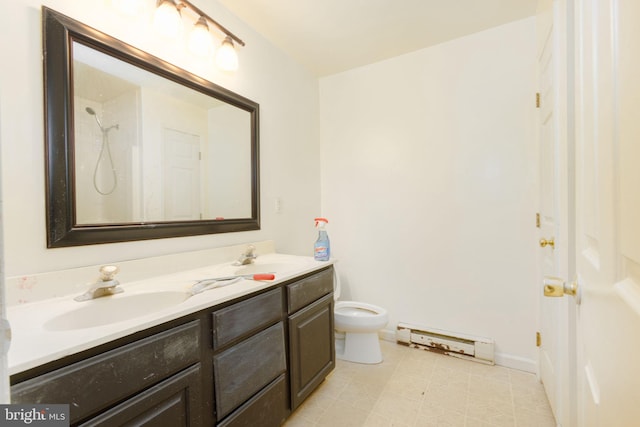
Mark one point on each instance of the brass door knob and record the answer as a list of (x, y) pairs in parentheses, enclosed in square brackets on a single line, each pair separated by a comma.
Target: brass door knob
[(557, 287), (544, 243)]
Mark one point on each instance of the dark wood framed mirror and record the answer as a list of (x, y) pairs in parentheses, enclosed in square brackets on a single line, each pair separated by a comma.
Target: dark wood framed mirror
[(137, 148)]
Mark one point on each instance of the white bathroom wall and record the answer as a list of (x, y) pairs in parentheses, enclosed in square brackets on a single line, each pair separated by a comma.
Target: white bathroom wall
[(429, 185), (289, 167)]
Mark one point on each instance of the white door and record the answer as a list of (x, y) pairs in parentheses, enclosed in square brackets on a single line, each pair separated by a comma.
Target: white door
[(556, 245), (608, 211), (181, 158), (550, 310)]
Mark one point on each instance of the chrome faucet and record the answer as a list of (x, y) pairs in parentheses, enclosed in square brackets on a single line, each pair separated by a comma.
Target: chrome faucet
[(104, 285), (248, 256)]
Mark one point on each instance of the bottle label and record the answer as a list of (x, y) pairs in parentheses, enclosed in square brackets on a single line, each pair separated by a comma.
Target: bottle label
[(321, 253)]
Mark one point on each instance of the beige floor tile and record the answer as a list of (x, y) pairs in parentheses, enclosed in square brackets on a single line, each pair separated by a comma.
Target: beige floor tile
[(525, 418), (489, 371), (333, 386), (343, 414), (446, 419), (533, 400), (361, 395), (407, 386), (396, 408), (496, 389), (315, 405), (417, 388), (416, 367), (451, 401), (472, 422), (377, 420)]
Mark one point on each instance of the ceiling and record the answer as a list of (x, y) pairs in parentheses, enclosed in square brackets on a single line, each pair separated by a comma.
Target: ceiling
[(330, 36)]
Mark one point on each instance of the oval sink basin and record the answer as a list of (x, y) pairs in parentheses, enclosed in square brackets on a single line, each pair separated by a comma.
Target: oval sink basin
[(112, 309)]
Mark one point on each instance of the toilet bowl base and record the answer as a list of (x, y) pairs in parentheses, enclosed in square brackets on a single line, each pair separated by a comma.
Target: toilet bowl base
[(358, 347)]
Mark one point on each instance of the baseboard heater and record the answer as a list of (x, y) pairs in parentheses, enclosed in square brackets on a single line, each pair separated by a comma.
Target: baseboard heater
[(453, 344)]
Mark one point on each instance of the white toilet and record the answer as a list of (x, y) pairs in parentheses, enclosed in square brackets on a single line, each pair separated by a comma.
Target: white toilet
[(356, 329)]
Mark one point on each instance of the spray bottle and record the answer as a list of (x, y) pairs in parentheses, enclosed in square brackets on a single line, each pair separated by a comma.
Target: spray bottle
[(322, 248)]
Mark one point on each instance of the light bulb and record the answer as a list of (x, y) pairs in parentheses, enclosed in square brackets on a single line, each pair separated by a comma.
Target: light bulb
[(167, 20), (128, 7), (200, 41), (227, 58)]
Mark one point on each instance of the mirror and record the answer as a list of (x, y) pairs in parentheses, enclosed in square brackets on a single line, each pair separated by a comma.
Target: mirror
[(138, 148)]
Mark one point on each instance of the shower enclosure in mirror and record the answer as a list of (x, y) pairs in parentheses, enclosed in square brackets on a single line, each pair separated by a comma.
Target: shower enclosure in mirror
[(139, 149)]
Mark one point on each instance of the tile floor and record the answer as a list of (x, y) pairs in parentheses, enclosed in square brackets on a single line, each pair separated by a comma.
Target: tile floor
[(418, 388)]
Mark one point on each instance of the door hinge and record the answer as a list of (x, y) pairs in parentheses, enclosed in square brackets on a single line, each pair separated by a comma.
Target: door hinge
[(537, 219), (537, 99), (538, 339)]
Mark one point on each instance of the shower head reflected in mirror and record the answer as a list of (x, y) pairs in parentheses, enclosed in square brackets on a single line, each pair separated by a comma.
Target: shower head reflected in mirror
[(104, 147), (92, 112), (95, 116)]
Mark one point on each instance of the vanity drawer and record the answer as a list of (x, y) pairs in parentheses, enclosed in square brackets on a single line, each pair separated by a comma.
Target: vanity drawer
[(99, 382), (246, 317), (270, 406), (309, 289), (244, 369), (173, 402)]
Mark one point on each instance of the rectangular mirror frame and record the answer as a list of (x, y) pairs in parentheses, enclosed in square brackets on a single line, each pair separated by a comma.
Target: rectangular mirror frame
[(59, 32)]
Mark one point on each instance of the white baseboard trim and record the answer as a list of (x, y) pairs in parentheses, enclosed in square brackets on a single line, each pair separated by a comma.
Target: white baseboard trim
[(515, 362)]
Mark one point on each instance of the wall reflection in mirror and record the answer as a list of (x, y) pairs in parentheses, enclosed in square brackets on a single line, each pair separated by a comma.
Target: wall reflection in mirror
[(148, 149)]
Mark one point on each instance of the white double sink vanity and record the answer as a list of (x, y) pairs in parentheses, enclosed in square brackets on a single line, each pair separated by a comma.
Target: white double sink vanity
[(228, 356)]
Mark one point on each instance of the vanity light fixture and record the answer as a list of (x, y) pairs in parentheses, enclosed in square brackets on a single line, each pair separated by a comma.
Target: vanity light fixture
[(200, 41), (227, 58), (168, 19)]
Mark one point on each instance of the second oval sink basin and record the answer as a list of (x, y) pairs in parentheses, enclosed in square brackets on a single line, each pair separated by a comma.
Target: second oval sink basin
[(112, 309)]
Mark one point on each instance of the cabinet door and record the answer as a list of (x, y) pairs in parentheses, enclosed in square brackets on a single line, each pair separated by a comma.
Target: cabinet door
[(312, 348), (174, 402)]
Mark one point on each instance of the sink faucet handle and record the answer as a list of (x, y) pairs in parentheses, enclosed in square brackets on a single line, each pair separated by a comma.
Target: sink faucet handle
[(105, 285), (107, 272), (247, 256)]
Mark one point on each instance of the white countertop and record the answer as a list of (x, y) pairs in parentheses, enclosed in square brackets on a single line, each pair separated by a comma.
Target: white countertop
[(33, 344)]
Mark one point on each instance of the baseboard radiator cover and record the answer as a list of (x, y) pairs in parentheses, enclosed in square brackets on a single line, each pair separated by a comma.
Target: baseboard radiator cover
[(463, 346)]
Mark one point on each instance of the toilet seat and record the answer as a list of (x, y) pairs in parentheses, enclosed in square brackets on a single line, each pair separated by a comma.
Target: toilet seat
[(355, 316), (355, 308)]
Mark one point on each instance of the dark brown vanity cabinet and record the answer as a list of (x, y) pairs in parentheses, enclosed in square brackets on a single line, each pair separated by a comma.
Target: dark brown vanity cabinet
[(243, 363), (311, 334), (250, 363), (153, 381)]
